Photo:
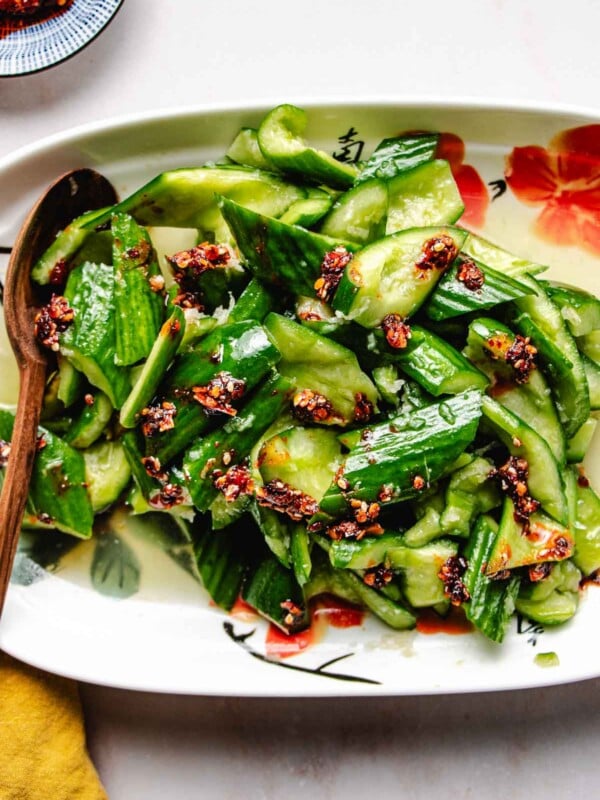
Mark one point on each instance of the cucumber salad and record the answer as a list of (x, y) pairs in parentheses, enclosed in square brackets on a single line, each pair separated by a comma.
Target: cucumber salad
[(312, 370)]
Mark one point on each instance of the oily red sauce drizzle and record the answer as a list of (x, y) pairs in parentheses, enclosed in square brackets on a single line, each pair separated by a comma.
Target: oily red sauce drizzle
[(325, 611), (454, 623)]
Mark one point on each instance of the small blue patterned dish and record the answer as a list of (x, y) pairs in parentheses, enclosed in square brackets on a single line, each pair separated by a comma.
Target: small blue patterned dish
[(32, 44)]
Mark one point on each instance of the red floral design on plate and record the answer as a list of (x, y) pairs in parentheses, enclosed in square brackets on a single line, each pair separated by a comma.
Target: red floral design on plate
[(472, 189), (564, 179)]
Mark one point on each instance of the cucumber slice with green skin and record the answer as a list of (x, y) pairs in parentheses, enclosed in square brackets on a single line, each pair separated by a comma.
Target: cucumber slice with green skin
[(254, 303), (470, 492), (360, 214), (90, 342), (280, 140), (222, 560), (245, 150), (419, 571), (305, 458), (320, 365), (64, 247), (383, 277), (494, 256), (546, 540), (589, 345), (241, 349), (570, 477), (91, 423), (238, 435), (545, 482), (579, 309), (427, 528), (539, 318), (162, 353), (107, 473), (348, 586), (276, 531), (437, 366), (97, 248), (71, 382), (399, 154), (57, 493), (592, 374), (388, 383), (578, 446), (587, 530), (300, 552), (426, 195), (185, 198), (196, 327), (138, 308), (488, 342), (367, 552), (269, 589), (553, 600), (224, 514), (392, 454), (308, 212), (284, 256), (492, 602), (451, 297), (133, 446)]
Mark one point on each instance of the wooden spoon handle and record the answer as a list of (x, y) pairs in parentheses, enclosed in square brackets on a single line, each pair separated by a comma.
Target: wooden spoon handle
[(18, 470)]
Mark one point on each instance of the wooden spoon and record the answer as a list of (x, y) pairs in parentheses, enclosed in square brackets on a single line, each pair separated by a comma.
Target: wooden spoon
[(70, 196)]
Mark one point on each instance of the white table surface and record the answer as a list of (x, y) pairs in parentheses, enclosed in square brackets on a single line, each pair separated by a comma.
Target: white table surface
[(168, 53)]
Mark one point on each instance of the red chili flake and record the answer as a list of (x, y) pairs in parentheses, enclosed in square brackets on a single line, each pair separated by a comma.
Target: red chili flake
[(437, 253), (309, 316), (154, 468), (418, 483), (4, 453), (157, 283), (385, 494), (171, 494), (235, 482), (513, 481), (378, 577), (218, 394), (158, 417), (351, 529), (189, 265), (470, 274), (189, 300), (582, 479), (283, 498), (451, 575), (539, 572), (294, 615), (309, 406), (51, 320), (363, 410), (89, 399), (44, 518), (40, 443), (58, 273), (332, 267), (364, 512), (559, 547), (397, 332), (521, 357), (140, 252)]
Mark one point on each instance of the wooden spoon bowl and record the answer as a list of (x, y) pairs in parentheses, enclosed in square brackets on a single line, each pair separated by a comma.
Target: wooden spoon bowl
[(70, 196)]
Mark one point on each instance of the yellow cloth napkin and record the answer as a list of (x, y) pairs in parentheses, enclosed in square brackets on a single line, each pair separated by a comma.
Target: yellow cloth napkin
[(42, 738)]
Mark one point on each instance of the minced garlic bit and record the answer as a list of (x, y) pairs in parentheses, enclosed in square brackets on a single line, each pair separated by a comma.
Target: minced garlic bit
[(218, 394), (281, 497), (332, 268), (397, 332), (51, 320), (157, 418)]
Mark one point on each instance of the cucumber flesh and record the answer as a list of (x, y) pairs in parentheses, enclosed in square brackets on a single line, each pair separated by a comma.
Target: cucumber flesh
[(360, 214), (426, 195)]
